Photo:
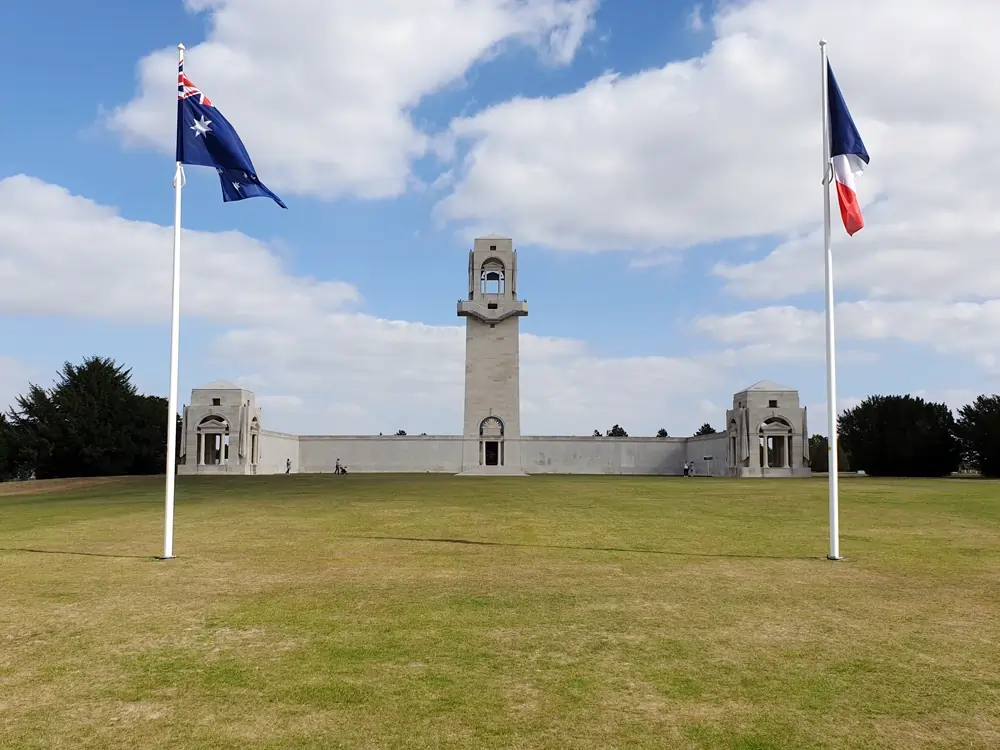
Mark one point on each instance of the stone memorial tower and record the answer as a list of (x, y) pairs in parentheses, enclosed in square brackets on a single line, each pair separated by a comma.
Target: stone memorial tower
[(492, 432)]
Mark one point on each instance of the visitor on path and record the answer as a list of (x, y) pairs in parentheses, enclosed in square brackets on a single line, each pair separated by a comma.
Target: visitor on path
[(288, 466), (687, 468), (338, 469)]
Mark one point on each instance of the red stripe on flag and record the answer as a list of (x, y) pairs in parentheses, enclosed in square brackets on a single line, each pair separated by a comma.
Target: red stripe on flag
[(850, 211)]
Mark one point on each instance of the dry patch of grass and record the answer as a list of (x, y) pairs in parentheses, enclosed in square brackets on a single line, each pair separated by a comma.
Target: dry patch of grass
[(53, 486), (565, 613)]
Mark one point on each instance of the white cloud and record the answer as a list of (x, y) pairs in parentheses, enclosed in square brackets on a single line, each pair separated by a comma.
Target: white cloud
[(374, 375), (722, 146), (90, 261), (15, 375), (695, 21), (581, 392), (319, 367), (779, 334), (789, 325), (322, 92), (788, 334), (970, 329), (728, 144), (316, 365), (905, 251)]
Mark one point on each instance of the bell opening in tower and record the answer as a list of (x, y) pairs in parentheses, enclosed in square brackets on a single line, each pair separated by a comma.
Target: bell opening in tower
[(492, 280)]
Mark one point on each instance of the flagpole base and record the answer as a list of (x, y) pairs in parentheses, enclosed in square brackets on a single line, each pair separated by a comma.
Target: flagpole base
[(161, 557), (831, 557)]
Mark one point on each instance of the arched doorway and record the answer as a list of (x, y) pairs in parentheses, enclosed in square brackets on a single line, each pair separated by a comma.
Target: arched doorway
[(775, 437), (491, 442), (213, 441)]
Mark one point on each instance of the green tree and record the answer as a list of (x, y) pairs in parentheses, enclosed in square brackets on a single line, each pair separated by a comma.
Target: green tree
[(11, 453), (400, 433), (662, 432), (978, 429), (617, 431), (597, 433), (705, 429), (901, 436), (91, 423), (6, 447), (819, 455), (34, 430), (150, 435)]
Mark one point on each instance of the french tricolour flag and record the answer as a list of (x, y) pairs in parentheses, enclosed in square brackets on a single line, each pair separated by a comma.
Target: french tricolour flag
[(847, 153)]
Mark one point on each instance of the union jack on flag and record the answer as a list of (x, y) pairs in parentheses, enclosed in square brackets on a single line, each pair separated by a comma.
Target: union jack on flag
[(185, 88), (205, 138)]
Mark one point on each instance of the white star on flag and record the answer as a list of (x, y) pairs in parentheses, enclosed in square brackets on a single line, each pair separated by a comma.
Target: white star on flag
[(200, 127)]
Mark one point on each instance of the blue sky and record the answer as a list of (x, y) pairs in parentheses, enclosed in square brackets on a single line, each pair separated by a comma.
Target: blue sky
[(630, 204)]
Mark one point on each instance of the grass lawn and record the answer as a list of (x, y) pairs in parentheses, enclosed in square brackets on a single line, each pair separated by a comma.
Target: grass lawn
[(541, 612)]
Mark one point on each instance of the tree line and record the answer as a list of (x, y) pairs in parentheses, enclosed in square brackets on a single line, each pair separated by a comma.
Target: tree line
[(619, 431), (92, 422), (906, 436)]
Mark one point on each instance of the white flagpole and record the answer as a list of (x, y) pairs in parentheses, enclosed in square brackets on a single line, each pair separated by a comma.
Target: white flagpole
[(175, 325), (831, 362)]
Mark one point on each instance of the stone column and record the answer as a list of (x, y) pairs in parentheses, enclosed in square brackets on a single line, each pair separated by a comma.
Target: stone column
[(788, 451)]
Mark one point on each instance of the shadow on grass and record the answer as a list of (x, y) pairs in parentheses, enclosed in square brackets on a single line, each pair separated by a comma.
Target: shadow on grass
[(472, 542), (479, 543), (68, 552)]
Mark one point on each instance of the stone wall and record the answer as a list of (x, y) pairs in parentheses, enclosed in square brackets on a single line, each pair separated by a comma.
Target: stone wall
[(275, 449), (539, 455), (602, 455), (714, 445), (389, 453)]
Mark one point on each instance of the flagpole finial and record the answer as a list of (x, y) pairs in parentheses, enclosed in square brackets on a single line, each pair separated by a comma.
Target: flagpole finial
[(181, 46), (822, 42)]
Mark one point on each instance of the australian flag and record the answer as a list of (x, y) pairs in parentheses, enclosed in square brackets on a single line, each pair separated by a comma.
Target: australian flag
[(205, 138)]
